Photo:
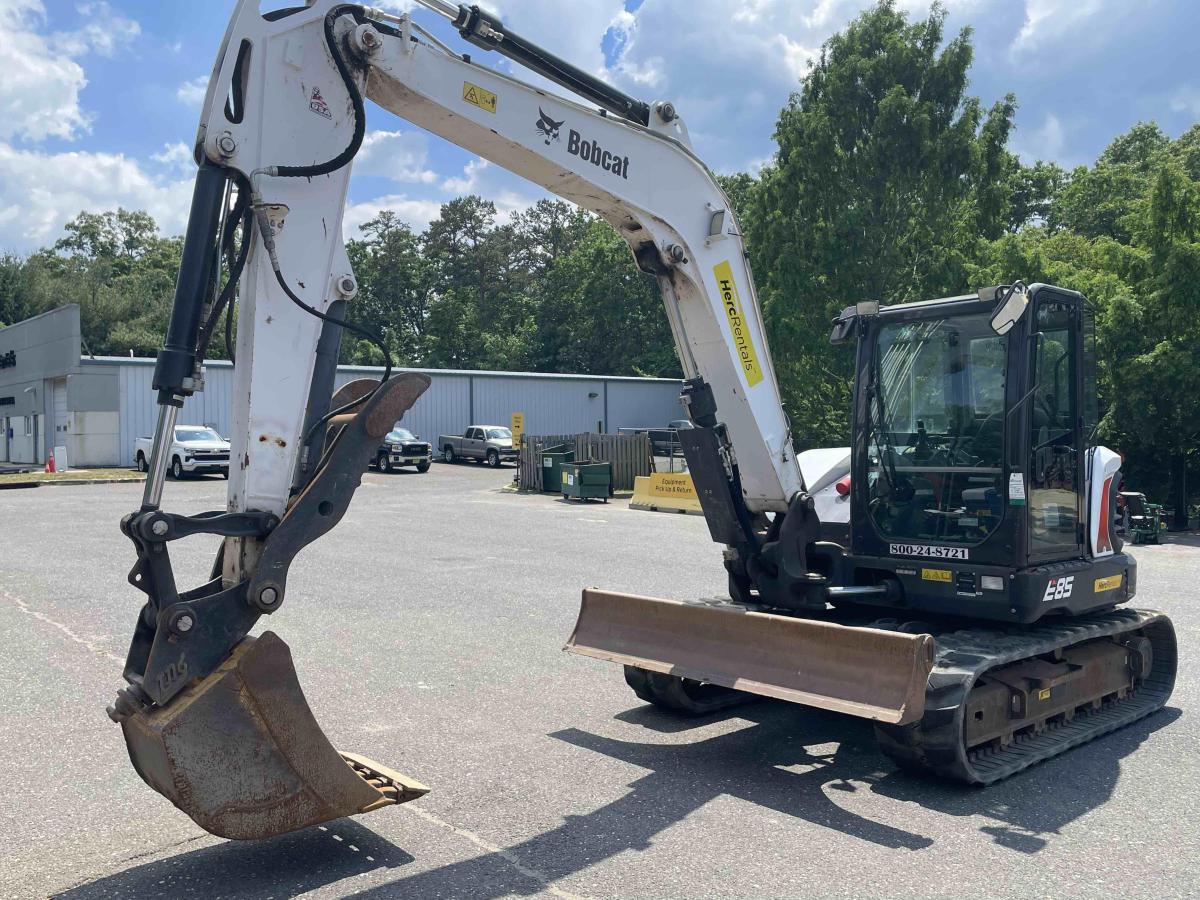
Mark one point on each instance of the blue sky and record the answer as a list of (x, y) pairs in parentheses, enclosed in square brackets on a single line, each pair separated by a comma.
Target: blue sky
[(101, 99)]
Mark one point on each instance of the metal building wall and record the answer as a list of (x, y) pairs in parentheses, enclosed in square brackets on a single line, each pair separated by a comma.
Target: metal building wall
[(552, 404), (643, 404), (139, 414), (448, 400)]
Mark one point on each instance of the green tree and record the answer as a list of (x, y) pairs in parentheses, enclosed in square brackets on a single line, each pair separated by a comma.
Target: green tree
[(394, 290), (1102, 201), (886, 175), (1155, 404), (598, 314), (1032, 192)]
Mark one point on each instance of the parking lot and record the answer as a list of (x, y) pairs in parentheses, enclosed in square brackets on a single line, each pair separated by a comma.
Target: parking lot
[(427, 630)]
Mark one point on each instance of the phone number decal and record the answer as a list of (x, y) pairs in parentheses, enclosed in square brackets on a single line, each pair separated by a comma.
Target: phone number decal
[(928, 551)]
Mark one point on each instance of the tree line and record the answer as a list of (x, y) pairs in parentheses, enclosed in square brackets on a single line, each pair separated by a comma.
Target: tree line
[(889, 182)]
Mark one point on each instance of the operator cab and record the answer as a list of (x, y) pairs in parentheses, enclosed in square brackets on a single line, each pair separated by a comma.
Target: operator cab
[(969, 451)]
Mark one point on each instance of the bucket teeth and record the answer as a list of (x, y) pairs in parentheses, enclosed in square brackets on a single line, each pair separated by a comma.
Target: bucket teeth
[(241, 753), (395, 787)]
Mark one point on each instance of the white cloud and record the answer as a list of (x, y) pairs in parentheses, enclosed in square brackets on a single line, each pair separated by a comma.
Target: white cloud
[(42, 74), (191, 93), (796, 57), (1047, 141), (104, 32), (1046, 20), (49, 189), (176, 158), (399, 156), (468, 181), (1187, 100), (727, 72), (417, 214)]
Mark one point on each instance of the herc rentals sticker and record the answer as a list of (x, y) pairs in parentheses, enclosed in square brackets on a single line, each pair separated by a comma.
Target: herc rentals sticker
[(738, 327), (929, 551)]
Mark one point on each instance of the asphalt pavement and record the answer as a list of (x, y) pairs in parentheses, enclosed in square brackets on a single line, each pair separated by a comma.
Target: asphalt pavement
[(427, 630)]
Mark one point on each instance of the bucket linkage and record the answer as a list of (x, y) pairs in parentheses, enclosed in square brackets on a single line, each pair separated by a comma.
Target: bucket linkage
[(215, 720)]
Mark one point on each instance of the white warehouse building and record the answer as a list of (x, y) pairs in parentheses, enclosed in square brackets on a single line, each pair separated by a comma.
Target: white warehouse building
[(51, 395)]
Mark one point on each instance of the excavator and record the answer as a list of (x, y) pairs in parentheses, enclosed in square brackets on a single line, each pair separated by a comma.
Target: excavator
[(956, 576)]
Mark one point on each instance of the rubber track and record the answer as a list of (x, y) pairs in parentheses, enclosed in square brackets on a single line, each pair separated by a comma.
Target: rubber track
[(935, 743)]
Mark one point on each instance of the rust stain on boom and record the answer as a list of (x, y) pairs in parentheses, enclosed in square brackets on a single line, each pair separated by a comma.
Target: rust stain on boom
[(866, 672)]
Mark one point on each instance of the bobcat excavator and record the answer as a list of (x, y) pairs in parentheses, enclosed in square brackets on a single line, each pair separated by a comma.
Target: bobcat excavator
[(964, 592)]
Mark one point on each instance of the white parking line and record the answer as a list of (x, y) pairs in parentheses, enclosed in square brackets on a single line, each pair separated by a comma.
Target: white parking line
[(25, 608)]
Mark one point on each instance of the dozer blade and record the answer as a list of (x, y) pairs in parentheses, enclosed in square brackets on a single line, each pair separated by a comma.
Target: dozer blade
[(866, 672), (241, 753)]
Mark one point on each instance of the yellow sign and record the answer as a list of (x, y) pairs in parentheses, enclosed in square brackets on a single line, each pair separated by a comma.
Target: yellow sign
[(477, 96), (665, 491), (1044, 694), (739, 328), (667, 484), (1107, 584), (944, 575), (518, 428)]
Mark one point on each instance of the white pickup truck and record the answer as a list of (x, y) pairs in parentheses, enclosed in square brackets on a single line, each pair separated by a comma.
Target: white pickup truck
[(196, 448)]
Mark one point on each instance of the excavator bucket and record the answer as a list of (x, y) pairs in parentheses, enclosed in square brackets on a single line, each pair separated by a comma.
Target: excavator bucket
[(241, 753), (866, 672)]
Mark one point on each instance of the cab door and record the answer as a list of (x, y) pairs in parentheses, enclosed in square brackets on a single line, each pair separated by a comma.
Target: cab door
[(473, 443), (1056, 459)]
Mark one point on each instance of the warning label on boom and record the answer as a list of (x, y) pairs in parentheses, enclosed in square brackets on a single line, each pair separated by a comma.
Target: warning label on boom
[(477, 96)]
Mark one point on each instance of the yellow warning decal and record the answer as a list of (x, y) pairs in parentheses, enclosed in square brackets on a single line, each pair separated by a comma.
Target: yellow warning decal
[(477, 96), (1107, 584), (738, 326), (1044, 694), (944, 575)]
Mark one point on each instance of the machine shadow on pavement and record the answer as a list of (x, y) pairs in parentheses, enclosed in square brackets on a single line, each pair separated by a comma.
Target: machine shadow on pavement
[(767, 763), (1025, 821), (286, 866)]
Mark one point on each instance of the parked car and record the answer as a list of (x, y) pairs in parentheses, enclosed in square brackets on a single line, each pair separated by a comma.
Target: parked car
[(665, 441), (196, 448), (492, 444), (403, 448)]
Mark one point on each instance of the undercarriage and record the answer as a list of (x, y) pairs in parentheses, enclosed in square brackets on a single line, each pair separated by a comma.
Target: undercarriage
[(992, 700)]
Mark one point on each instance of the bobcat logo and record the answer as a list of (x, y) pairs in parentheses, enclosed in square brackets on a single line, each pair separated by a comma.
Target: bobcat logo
[(547, 127)]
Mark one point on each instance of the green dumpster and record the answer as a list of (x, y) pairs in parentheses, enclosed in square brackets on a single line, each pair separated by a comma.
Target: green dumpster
[(553, 459), (587, 481)]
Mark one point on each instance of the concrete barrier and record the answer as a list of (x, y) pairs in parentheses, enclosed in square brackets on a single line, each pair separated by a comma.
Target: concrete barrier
[(666, 492)]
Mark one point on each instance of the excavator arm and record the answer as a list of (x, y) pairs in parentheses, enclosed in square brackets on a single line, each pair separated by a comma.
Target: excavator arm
[(214, 719)]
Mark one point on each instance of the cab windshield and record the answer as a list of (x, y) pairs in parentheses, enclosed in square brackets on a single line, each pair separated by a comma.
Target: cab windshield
[(499, 434), (935, 450), (401, 434)]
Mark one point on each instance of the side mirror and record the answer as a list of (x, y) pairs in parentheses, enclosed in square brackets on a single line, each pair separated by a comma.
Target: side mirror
[(1010, 306), (844, 325)]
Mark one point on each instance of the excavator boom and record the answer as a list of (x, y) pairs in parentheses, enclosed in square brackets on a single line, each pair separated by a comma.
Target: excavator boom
[(282, 121)]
